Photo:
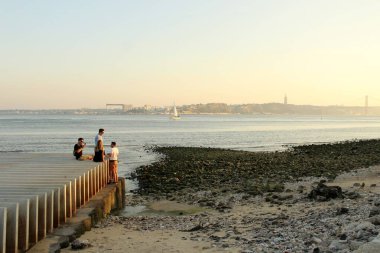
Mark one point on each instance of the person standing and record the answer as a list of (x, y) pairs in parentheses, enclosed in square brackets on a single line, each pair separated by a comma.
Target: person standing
[(99, 152), (99, 136), (113, 163)]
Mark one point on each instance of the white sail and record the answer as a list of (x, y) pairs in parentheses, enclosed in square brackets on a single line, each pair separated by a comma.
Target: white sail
[(175, 113)]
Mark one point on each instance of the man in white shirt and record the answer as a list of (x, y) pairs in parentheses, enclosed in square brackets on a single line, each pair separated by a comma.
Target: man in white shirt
[(99, 136), (113, 163)]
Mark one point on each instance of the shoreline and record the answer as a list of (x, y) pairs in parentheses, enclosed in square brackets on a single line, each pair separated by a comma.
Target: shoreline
[(185, 170), (274, 219)]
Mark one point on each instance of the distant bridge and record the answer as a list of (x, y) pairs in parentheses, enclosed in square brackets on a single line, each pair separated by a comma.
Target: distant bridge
[(123, 107)]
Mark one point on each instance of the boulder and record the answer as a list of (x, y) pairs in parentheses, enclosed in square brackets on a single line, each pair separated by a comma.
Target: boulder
[(323, 192), (338, 245), (352, 195), (371, 247), (80, 244), (375, 220), (342, 210), (375, 210)]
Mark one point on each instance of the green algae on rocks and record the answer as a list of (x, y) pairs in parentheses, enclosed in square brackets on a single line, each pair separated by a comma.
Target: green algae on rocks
[(193, 169)]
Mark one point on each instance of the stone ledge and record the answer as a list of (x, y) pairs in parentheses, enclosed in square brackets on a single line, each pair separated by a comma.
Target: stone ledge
[(108, 199)]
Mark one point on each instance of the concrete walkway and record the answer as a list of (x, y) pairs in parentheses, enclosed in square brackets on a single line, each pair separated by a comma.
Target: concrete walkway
[(38, 192)]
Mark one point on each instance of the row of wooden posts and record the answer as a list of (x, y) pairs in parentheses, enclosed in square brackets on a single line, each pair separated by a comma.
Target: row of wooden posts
[(36, 199)]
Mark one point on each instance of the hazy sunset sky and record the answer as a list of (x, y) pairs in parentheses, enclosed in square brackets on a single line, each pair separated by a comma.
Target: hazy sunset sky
[(75, 54)]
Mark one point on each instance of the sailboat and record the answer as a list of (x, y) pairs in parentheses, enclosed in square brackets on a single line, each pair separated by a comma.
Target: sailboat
[(175, 115)]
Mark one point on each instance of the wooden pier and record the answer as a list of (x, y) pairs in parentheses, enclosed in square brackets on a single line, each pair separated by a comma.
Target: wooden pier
[(38, 192)]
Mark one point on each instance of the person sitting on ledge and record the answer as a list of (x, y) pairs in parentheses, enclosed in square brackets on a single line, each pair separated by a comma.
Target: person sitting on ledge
[(99, 152), (78, 150)]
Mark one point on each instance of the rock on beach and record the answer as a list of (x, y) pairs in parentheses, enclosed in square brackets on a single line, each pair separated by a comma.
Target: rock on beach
[(264, 201)]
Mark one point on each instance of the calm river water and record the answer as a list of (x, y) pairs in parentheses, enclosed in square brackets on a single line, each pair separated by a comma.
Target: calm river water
[(58, 133)]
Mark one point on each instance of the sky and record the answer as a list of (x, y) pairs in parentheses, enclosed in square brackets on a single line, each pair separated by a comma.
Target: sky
[(84, 54)]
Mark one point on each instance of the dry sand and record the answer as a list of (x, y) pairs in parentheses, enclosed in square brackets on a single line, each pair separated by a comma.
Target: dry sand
[(118, 239)]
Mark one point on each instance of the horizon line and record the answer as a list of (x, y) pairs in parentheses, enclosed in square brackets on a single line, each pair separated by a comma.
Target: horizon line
[(164, 106)]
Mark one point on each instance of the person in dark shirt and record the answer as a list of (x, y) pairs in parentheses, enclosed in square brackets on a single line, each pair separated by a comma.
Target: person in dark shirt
[(99, 152), (78, 148)]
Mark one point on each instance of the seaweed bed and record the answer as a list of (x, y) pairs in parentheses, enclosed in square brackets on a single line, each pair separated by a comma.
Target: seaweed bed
[(184, 170)]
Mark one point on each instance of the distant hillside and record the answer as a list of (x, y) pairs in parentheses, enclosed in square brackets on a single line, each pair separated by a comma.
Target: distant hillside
[(220, 108), (277, 108)]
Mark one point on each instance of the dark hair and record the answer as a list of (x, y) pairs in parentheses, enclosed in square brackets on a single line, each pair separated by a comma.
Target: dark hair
[(80, 139), (101, 130), (113, 143)]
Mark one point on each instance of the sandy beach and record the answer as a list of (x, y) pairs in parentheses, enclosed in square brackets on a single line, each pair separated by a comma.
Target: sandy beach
[(285, 220)]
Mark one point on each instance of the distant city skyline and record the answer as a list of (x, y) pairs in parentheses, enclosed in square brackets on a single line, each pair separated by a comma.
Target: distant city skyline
[(75, 54), (149, 106)]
